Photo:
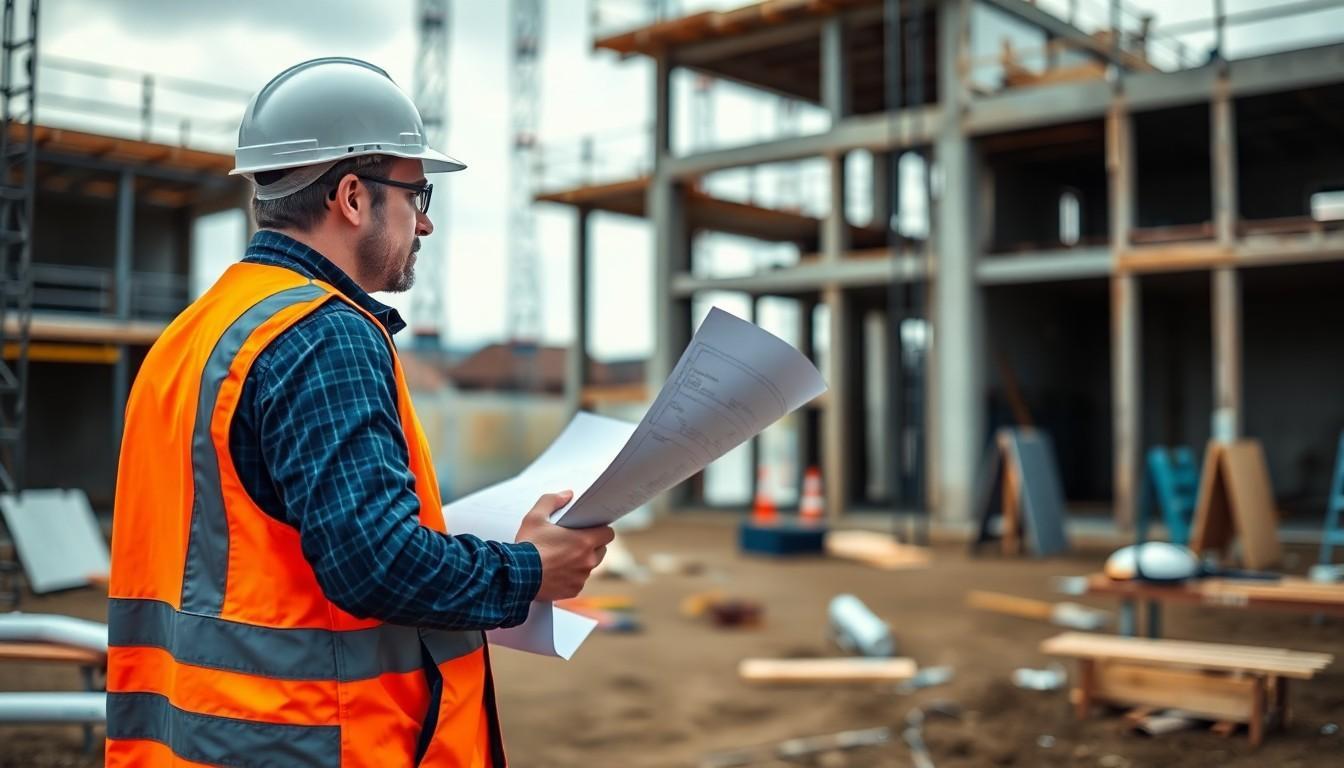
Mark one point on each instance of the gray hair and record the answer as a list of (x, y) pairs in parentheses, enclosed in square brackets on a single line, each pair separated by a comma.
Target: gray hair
[(303, 210)]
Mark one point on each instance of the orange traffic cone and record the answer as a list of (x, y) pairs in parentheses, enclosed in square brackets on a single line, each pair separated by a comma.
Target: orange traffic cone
[(763, 511), (811, 510)]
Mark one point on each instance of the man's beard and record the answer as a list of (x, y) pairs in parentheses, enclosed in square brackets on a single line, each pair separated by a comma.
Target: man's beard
[(375, 255)]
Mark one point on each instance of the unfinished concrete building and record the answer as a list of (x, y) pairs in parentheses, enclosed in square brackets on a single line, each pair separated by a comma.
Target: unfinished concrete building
[(111, 266), (1130, 242)]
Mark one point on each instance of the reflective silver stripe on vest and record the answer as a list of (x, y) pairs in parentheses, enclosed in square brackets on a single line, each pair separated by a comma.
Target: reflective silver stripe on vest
[(207, 563), (220, 740), (285, 654)]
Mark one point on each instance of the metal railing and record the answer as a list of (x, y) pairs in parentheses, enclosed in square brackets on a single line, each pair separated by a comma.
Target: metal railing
[(93, 291), (139, 104), (610, 156), (1140, 37)]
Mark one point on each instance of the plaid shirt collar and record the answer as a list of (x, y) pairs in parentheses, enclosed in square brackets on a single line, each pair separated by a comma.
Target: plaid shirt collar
[(279, 250)]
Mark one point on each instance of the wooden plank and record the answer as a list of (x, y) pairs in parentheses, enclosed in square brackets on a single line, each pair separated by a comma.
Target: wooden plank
[(50, 652), (832, 670), (1212, 527), (1213, 696), (876, 549), (1176, 653), (1252, 500), (1011, 605), (1229, 653)]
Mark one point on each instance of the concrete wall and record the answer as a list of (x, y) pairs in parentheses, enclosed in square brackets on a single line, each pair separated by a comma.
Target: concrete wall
[(1288, 147)]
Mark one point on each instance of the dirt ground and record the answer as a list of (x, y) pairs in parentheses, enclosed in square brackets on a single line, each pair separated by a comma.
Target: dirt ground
[(669, 695)]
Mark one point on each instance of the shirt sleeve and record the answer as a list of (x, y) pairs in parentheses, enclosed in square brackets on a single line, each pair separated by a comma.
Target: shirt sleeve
[(332, 442)]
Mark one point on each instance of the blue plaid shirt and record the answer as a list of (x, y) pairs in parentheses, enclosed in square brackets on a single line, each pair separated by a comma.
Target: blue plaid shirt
[(319, 446)]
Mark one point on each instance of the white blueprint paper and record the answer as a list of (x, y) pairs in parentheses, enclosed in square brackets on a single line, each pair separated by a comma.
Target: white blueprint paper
[(733, 380)]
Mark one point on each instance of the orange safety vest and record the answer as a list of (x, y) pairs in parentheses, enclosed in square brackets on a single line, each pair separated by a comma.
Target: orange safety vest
[(222, 648)]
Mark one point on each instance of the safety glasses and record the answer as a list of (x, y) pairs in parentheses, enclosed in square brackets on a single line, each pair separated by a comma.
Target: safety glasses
[(422, 193)]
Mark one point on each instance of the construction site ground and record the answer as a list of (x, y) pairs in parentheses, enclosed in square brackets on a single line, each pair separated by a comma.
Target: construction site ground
[(669, 695)]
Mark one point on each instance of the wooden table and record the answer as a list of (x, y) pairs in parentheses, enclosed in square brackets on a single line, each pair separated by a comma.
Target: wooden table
[(1293, 594)]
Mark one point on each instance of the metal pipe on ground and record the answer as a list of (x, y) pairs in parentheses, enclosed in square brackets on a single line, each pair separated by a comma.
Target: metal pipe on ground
[(50, 628), (35, 708)]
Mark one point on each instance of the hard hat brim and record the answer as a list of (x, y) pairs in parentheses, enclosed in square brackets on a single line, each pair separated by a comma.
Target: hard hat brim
[(433, 160)]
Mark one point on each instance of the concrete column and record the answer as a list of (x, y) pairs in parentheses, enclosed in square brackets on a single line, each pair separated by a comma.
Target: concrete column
[(667, 213), (1126, 319), (835, 443), (124, 255), (1227, 413), (835, 80), (1225, 281), (576, 362), (1126, 385), (1223, 148), (958, 333), (835, 227)]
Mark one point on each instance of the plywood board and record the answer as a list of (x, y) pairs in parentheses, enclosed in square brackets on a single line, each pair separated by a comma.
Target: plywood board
[(1041, 492), (58, 540), (1236, 499), (1247, 477)]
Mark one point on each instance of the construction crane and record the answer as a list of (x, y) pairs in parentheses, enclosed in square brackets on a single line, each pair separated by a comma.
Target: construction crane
[(524, 299), (433, 20), (18, 154)]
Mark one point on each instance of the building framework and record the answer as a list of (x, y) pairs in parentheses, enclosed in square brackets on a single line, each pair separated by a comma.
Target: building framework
[(1113, 238)]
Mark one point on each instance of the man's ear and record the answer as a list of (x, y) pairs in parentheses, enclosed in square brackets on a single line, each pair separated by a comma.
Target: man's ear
[(347, 199)]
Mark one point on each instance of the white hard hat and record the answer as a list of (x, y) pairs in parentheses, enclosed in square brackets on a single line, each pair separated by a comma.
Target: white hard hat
[(325, 110), (1152, 561)]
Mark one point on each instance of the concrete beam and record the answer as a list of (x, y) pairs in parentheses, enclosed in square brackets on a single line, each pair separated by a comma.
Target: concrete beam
[(1051, 104), (1073, 264), (812, 277), (907, 128), (1036, 106)]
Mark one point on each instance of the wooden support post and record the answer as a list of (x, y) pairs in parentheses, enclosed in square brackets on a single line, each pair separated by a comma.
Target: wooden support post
[(1087, 674), (1257, 724)]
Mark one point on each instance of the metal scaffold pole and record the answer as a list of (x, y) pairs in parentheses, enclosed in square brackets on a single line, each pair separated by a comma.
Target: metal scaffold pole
[(18, 83)]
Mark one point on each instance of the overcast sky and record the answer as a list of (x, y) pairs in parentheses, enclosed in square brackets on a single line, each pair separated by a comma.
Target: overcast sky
[(242, 43)]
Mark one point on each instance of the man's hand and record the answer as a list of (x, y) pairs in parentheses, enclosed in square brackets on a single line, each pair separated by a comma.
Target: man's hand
[(567, 556)]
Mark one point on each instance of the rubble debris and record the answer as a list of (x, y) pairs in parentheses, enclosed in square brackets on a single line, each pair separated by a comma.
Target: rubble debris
[(926, 677)]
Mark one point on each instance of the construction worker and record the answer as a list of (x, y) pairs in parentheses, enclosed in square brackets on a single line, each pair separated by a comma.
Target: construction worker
[(283, 591)]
